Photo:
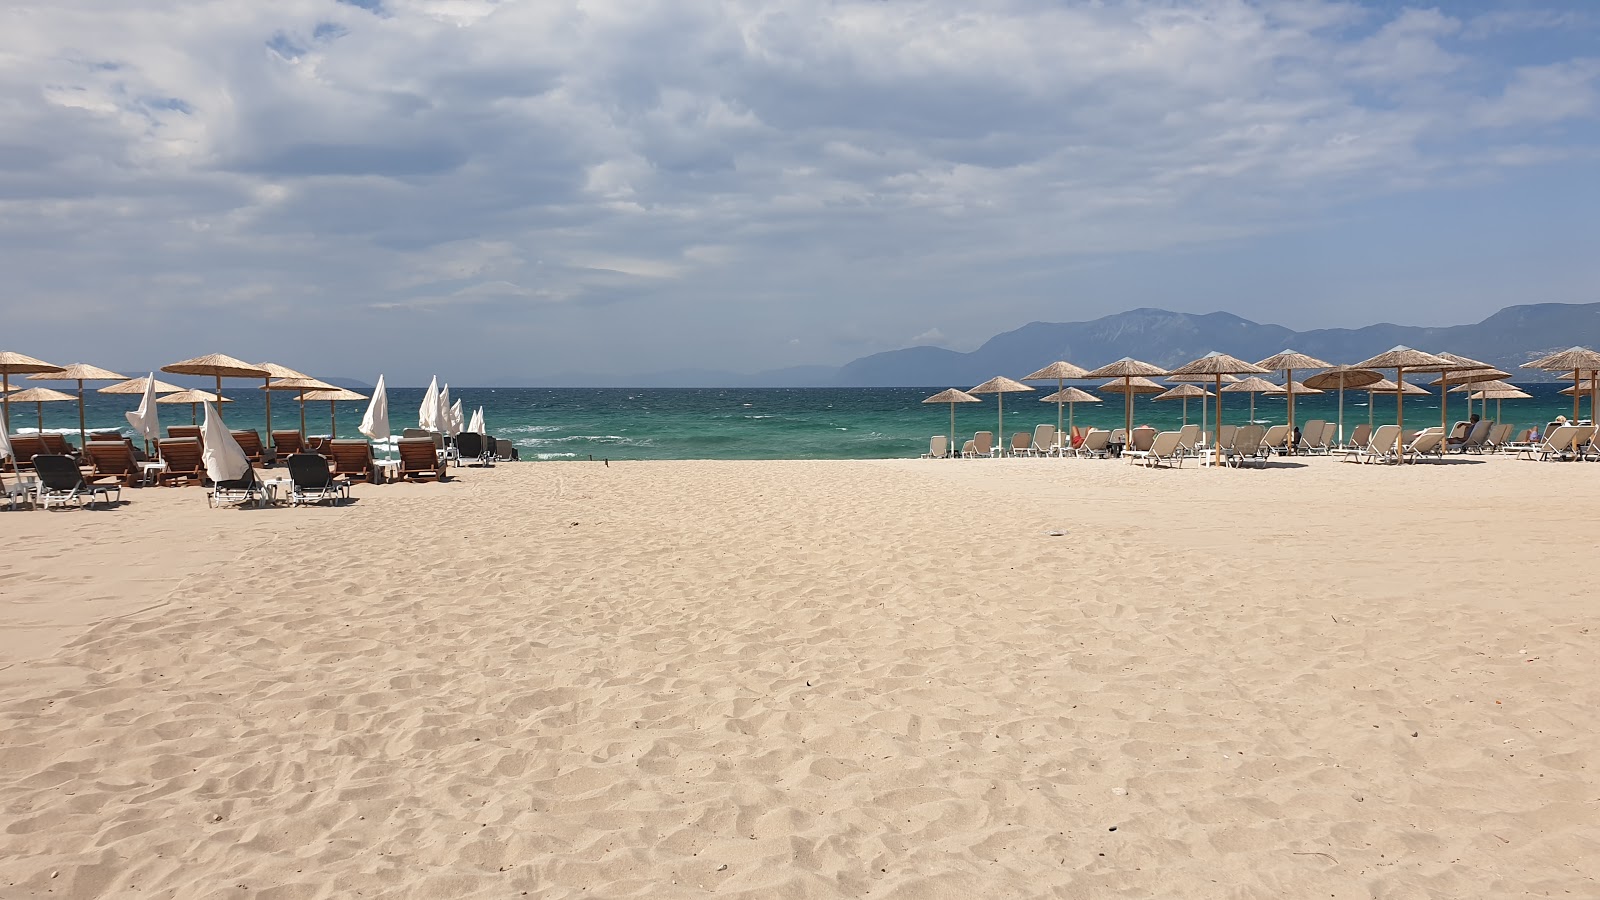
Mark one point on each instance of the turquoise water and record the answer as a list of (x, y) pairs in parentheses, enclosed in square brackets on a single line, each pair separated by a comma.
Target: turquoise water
[(768, 423)]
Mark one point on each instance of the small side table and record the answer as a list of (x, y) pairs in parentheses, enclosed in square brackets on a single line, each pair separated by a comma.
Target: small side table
[(387, 469), (149, 471)]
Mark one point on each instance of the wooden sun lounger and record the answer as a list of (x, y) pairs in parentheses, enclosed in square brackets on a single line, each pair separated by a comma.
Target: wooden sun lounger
[(419, 460), (183, 459), (287, 443), (114, 459), (353, 459)]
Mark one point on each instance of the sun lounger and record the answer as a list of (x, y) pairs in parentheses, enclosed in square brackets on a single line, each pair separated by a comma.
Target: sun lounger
[(1246, 446), (1556, 445), (352, 458), (982, 444), (1498, 436), (1043, 442), (287, 443), (1141, 438), (24, 447), (938, 448), (311, 481), (1360, 437), (250, 442), (237, 492), (1096, 444), (1311, 436), (1164, 449), (62, 482), (503, 450), (1427, 443), (1379, 447), (418, 460), (182, 456), (1189, 440), (470, 446), (1476, 437), (1276, 440), (114, 459)]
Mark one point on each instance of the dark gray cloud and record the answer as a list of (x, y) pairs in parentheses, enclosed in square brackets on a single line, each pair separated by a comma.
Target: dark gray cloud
[(511, 186)]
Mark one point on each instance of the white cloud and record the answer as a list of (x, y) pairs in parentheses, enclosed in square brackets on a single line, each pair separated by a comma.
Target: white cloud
[(820, 161)]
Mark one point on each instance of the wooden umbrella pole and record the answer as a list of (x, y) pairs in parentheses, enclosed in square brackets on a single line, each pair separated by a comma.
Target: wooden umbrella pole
[(1058, 408), (38, 408), (1400, 414), (266, 386), (83, 441), (219, 395), (333, 422), (1577, 378), (1289, 383), (1000, 438), (302, 416), (1341, 408), (952, 446), (1444, 405), (5, 401), (1216, 446), (1186, 412), (1127, 406)]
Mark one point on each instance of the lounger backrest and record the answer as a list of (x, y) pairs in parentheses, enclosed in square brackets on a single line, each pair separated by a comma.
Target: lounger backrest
[(1165, 444), (1189, 436), (983, 442), (414, 433), (1275, 437), (1247, 439), (1361, 436), (1043, 437), (1479, 432), (1461, 431), (938, 446), (1096, 440), (57, 443), (1585, 432), (1142, 437), (1330, 434), (1426, 442), (1383, 439), (1226, 435), (502, 448), (1021, 440), (1560, 437), (180, 454), (1311, 433), (287, 443), (24, 447), (351, 457), (309, 471), (1119, 435), (417, 454), (250, 442), (183, 431), (57, 471), (1499, 434), (112, 458)]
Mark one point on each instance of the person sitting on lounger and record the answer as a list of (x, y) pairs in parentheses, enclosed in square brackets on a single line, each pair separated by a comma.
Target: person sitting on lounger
[(1472, 423)]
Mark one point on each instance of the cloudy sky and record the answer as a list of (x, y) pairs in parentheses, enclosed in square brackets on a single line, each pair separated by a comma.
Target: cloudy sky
[(530, 187)]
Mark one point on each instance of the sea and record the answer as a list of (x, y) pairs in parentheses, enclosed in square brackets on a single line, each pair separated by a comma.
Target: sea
[(755, 423)]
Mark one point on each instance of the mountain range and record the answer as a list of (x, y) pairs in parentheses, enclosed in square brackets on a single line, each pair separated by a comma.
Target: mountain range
[(1507, 339)]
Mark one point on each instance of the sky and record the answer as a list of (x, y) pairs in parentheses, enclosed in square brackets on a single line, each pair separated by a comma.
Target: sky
[(504, 191)]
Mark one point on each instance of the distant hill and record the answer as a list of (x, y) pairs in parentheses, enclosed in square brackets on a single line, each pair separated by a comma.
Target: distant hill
[(1506, 339)]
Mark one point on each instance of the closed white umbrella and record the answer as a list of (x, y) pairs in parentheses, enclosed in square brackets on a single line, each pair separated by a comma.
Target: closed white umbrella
[(458, 421), (223, 457), (375, 424), (6, 451), (145, 420), (477, 426), (428, 413)]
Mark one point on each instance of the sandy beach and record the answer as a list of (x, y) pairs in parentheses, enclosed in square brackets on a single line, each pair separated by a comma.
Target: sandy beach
[(814, 680)]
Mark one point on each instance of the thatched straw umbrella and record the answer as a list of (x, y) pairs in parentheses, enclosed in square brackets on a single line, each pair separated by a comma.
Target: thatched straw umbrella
[(952, 396), (1400, 359), (1000, 386), (136, 386), (274, 370), (39, 397), (1070, 396), (1060, 371), (1217, 366), (1255, 385), (12, 363), (194, 399), (300, 386), (1340, 378), (1184, 392), (1577, 360), (337, 395), (219, 366), (1498, 391), (79, 372), (1127, 368), (1287, 361)]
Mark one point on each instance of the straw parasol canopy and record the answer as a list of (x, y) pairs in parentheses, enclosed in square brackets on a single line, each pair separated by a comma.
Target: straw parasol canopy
[(1061, 371), (1218, 366), (1254, 385), (1131, 386), (1299, 389), (13, 363), (39, 397), (1342, 378), (79, 372), (1287, 361), (1127, 368), (337, 395), (194, 399), (218, 366), (1184, 392), (1227, 378), (136, 386), (1400, 359), (1576, 359), (300, 386), (952, 396), (1000, 386), (1497, 391)]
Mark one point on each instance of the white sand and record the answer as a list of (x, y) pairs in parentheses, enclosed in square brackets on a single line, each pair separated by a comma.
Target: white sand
[(813, 679)]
